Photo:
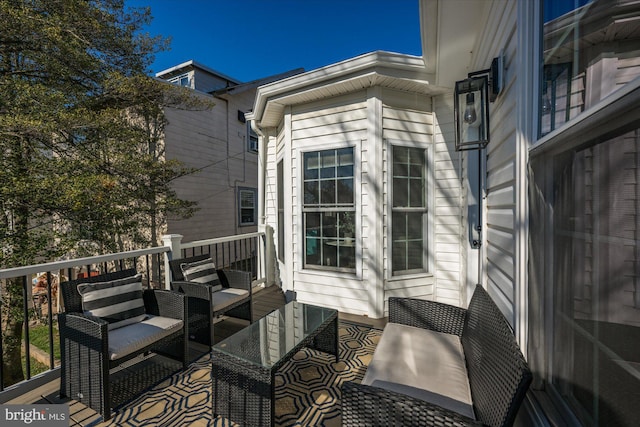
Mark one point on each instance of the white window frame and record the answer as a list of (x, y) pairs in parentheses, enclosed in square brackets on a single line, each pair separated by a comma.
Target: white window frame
[(328, 271), (179, 79), (254, 193), (428, 218)]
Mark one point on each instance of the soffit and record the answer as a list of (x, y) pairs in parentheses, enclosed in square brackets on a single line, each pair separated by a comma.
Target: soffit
[(450, 32), (384, 69)]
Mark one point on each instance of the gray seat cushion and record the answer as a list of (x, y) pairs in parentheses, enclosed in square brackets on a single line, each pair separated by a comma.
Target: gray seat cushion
[(131, 338), (227, 296), (424, 364)]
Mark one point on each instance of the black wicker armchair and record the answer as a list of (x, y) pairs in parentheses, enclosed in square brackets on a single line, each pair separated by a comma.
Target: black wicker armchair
[(498, 375), (90, 348), (206, 303)]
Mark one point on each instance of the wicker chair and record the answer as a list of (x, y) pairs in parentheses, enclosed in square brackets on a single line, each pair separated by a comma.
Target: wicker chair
[(203, 308), (87, 359), (498, 374)]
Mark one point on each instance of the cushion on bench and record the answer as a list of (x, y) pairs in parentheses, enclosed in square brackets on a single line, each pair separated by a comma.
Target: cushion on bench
[(131, 338), (424, 364), (226, 297)]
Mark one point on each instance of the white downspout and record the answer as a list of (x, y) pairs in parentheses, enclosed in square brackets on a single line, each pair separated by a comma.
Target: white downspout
[(268, 267)]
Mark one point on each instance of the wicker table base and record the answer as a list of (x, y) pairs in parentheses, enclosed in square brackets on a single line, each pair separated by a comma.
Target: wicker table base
[(244, 366)]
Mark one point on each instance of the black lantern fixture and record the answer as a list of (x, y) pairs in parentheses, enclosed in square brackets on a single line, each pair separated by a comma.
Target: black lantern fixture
[(471, 106)]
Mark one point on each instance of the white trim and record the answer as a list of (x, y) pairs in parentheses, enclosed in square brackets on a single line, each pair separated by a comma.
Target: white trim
[(429, 232), (375, 216), (528, 27), (331, 144)]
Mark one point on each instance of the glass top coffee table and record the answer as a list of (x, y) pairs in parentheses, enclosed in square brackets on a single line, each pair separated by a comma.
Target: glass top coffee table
[(244, 365)]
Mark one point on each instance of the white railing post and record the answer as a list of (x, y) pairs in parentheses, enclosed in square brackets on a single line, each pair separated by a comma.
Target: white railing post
[(269, 256), (174, 243)]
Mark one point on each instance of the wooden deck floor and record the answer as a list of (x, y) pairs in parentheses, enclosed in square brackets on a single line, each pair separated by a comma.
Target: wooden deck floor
[(265, 301)]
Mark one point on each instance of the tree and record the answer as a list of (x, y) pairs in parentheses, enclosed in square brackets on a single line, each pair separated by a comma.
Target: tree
[(80, 125)]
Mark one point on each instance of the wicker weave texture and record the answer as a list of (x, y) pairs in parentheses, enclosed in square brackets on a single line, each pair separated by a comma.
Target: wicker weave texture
[(85, 363), (201, 299), (366, 406), (498, 374), (244, 392), (425, 314)]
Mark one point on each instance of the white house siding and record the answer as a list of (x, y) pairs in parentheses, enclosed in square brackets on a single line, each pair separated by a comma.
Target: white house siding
[(214, 143), (450, 225), (503, 171), (408, 119), (317, 126)]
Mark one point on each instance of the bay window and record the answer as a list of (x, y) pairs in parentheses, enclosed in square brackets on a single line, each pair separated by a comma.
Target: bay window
[(329, 209)]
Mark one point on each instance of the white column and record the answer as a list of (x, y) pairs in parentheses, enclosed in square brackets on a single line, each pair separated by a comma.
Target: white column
[(174, 243)]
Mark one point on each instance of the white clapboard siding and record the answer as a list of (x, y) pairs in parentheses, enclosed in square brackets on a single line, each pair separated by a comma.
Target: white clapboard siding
[(315, 126), (502, 171)]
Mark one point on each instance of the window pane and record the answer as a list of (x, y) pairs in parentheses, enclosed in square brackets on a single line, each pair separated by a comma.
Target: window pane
[(345, 191), (399, 256), (247, 216), (329, 224), (246, 199), (345, 156), (328, 192), (414, 255), (416, 191), (311, 193), (414, 225), (329, 254), (587, 206), (347, 254), (312, 224), (399, 226), (346, 221), (400, 192)]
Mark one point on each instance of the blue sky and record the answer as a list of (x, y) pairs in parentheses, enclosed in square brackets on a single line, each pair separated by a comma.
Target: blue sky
[(251, 39)]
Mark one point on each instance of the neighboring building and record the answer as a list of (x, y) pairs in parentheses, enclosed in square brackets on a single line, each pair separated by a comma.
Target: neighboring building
[(219, 143), (367, 197)]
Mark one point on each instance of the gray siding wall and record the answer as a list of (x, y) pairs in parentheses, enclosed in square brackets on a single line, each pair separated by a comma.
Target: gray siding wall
[(214, 143)]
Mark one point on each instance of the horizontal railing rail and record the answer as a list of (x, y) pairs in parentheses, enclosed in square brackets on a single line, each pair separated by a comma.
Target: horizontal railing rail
[(41, 300), (239, 252), (40, 306)]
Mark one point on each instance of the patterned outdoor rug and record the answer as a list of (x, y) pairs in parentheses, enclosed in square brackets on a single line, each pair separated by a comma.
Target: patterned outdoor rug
[(307, 388)]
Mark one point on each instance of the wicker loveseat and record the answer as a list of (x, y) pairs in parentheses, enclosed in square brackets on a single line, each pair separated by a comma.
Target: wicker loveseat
[(233, 297), (91, 346), (437, 364)]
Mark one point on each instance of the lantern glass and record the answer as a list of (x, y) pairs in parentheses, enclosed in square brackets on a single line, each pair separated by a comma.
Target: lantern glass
[(471, 106)]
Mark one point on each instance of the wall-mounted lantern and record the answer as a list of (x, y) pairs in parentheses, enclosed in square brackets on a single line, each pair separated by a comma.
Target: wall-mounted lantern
[(471, 106)]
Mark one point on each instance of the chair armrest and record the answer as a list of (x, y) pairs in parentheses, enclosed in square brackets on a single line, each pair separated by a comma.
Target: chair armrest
[(192, 289), (162, 302), (82, 328), (425, 314), (364, 405), (238, 279)]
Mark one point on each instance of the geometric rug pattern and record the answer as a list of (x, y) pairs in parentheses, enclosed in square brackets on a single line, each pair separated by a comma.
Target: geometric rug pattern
[(307, 388)]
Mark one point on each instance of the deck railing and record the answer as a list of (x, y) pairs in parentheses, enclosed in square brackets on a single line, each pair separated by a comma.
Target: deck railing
[(41, 303)]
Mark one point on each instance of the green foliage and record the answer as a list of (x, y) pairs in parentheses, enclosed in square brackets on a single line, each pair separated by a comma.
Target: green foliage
[(81, 126)]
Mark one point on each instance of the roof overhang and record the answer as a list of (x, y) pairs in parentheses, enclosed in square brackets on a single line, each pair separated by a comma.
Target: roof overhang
[(384, 69), (450, 31)]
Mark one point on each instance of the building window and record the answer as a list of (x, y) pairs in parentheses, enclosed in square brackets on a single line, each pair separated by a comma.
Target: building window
[(280, 189), (329, 209), (584, 209), (252, 139), (181, 80), (409, 210), (247, 206)]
